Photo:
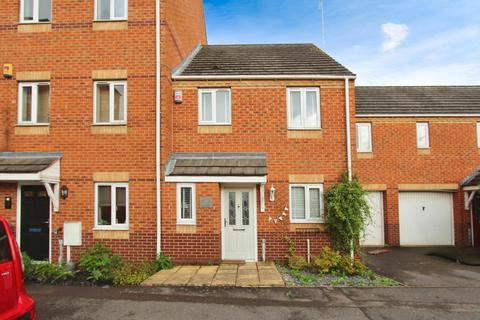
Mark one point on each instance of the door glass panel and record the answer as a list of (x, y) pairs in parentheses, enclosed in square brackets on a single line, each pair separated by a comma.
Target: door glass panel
[(315, 203), (298, 202), (27, 10), (104, 205), (121, 198), (295, 109), (245, 209), (231, 208), (43, 109), (44, 10), (103, 100), (119, 102), (5, 252), (27, 104)]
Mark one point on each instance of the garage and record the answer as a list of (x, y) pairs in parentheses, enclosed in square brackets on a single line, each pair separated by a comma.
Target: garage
[(374, 231), (426, 219)]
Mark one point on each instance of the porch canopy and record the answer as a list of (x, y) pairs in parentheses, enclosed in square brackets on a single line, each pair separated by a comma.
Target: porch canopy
[(217, 167), (40, 167), (471, 185)]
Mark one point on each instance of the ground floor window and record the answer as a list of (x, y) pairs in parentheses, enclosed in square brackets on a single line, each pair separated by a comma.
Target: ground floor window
[(111, 205), (306, 203), (186, 203)]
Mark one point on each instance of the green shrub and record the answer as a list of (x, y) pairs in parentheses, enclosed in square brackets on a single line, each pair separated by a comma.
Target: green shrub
[(349, 268), (328, 261), (44, 271), (133, 273), (162, 262), (99, 263), (297, 263)]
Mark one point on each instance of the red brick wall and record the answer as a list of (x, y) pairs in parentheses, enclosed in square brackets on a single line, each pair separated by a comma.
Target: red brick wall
[(396, 160), (259, 124), (71, 51)]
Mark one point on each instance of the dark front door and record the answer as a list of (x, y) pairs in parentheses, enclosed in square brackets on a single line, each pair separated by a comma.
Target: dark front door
[(476, 221), (35, 222)]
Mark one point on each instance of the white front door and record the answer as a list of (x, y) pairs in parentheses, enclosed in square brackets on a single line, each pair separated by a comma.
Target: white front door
[(375, 228), (238, 218)]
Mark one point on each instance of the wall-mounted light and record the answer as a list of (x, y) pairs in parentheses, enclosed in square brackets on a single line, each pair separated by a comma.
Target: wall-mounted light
[(8, 202), (178, 96), (64, 192), (272, 194)]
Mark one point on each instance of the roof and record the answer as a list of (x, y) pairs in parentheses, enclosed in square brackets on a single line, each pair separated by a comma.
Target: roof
[(27, 162), (217, 164), (260, 59), (418, 100), (472, 180)]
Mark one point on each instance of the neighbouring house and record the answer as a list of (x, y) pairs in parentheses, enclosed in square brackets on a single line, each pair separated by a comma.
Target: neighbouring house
[(120, 125)]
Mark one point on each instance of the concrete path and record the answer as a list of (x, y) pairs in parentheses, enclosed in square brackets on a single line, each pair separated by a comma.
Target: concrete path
[(414, 267), (217, 303), (226, 275)]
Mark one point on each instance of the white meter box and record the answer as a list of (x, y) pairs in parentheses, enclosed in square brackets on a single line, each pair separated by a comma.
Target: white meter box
[(72, 233)]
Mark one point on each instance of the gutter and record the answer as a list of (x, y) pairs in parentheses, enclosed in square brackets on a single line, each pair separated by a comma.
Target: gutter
[(347, 117), (417, 115), (158, 126), (264, 77)]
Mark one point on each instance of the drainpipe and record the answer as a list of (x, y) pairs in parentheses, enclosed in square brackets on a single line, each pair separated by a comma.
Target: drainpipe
[(347, 113), (158, 126)]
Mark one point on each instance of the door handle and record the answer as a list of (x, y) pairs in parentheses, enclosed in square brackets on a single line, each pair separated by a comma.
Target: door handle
[(224, 222), (5, 274), (238, 229)]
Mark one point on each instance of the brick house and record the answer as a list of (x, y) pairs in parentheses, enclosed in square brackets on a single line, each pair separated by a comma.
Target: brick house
[(123, 119)]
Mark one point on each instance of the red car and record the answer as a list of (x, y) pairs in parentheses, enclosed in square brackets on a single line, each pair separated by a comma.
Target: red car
[(15, 303)]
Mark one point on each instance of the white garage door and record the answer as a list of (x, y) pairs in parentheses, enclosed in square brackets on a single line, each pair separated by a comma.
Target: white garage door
[(426, 219), (374, 230)]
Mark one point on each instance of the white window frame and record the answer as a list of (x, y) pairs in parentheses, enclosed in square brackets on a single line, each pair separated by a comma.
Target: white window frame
[(36, 12), (112, 11), (307, 188), (114, 225), (111, 104), (180, 220), (368, 125), (426, 126), (478, 135), (214, 107), (34, 86), (303, 92)]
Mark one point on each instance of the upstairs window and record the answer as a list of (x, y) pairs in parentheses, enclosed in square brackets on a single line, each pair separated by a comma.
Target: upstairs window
[(34, 103), (111, 205), (423, 135), (35, 11), (364, 137), (306, 203), (110, 100), (111, 9), (303, 108), (186, 203), (214, 107)]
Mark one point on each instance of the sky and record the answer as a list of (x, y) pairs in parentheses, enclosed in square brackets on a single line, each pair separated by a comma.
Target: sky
[(384, 42)]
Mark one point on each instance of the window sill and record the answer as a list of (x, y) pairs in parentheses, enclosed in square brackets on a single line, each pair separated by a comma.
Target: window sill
[(32, 130), (111, 234), (304, 134), (214, 129), (307, 227), (34, 27), (109, 129), (424, 151), (186, 229), (364, 155), (103, 25)]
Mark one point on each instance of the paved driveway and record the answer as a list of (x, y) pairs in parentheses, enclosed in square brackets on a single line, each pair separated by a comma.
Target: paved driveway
[(413, 267)]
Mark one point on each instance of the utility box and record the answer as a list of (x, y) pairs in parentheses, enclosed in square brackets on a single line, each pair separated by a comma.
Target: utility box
[(72, 233)]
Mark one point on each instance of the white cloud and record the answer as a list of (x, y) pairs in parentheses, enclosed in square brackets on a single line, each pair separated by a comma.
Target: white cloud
[(395, 33)]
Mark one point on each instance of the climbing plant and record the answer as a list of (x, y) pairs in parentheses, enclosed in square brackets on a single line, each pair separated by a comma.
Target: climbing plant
[(347, 214)]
